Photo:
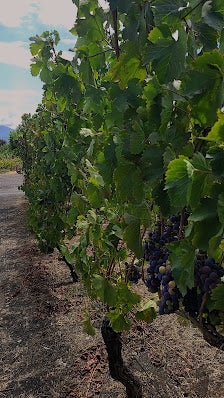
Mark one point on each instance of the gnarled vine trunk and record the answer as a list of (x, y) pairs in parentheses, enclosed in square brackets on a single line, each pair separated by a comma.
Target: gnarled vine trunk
[(118, 369)]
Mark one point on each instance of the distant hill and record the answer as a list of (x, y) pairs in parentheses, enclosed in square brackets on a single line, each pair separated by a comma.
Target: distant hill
[(4, 132)]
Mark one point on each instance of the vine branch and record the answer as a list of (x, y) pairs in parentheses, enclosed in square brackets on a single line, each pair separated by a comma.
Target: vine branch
[(116, 45), (194, 8)]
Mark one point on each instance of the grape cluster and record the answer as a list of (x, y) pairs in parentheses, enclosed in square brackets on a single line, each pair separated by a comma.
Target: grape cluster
[(160, 276), (135, 273), (207, 272), (207, 275)]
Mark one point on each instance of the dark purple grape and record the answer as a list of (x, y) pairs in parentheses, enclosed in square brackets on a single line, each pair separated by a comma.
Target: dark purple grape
[(213, 276), (206, 269), (210, 261)]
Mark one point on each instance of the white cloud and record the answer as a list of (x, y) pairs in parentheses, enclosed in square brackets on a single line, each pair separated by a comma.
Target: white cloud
[(49, 12), (14, 53), (68, 55), (69, 41), (13, 12), (14, 103), (56, 12)]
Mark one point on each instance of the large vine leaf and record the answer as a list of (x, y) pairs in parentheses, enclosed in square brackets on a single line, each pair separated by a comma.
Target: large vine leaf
[(105, 290), (217, 132), (204, 85), (206, 223), (126, 175), (169, 11), (166, 53), (216, 156), (132, 236), (213, 14), (128, 67), (182, 262), (217, 297), (178, 180), (118, 321)]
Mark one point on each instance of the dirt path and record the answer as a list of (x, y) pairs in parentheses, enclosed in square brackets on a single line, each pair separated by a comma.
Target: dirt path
[(44, 352), (28, 336)]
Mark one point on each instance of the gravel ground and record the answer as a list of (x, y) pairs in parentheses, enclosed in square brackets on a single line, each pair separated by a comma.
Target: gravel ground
[(44, 351)]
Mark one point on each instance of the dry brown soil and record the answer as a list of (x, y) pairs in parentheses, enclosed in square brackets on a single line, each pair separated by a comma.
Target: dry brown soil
[(44, 351)]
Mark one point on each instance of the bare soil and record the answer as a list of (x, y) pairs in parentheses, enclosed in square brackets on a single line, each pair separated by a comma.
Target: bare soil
[(44, 351)]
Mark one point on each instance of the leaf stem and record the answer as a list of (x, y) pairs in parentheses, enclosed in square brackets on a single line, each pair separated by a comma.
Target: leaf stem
[(189, 12), (100, 53), (174, 92), (203, 171), (116, 45)]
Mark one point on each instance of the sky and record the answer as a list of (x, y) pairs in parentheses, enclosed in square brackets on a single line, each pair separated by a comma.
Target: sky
[(20, 92)]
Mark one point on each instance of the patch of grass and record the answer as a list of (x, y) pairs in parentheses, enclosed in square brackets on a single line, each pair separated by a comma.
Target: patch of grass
[(8, 160), (9, 163)]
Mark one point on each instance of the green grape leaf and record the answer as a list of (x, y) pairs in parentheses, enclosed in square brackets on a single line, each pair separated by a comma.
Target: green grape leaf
[(36, 38), (152, 159), (178, 179), (220, 208), (213, 13), (87, 324), (167, 54), (123, 179), (61, 104), (217, 297), (66, 253), (167, 109), (86, 72), (118, 321), (132, 236), (199, 180), (169, 11), (214, 245), (129, 185), (206, 210), (137, 139), (45, 75), (35, 68), (94, 195), (72, 215), (196, 189), (208, 36), (152, 89), (36, 47), (121, 5), (216, 156), (199, 162), (217, 132), (96, 61), (79, 202), (161, 198), (222, 42), (204, 86), (146, 311), (141, 211), (105, 290), (182, 263), (126, 298), (127, 68), (168, 156), (204, 231), (133, 24)]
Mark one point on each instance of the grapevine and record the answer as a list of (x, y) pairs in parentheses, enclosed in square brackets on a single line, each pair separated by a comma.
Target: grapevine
[(128, 139)]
